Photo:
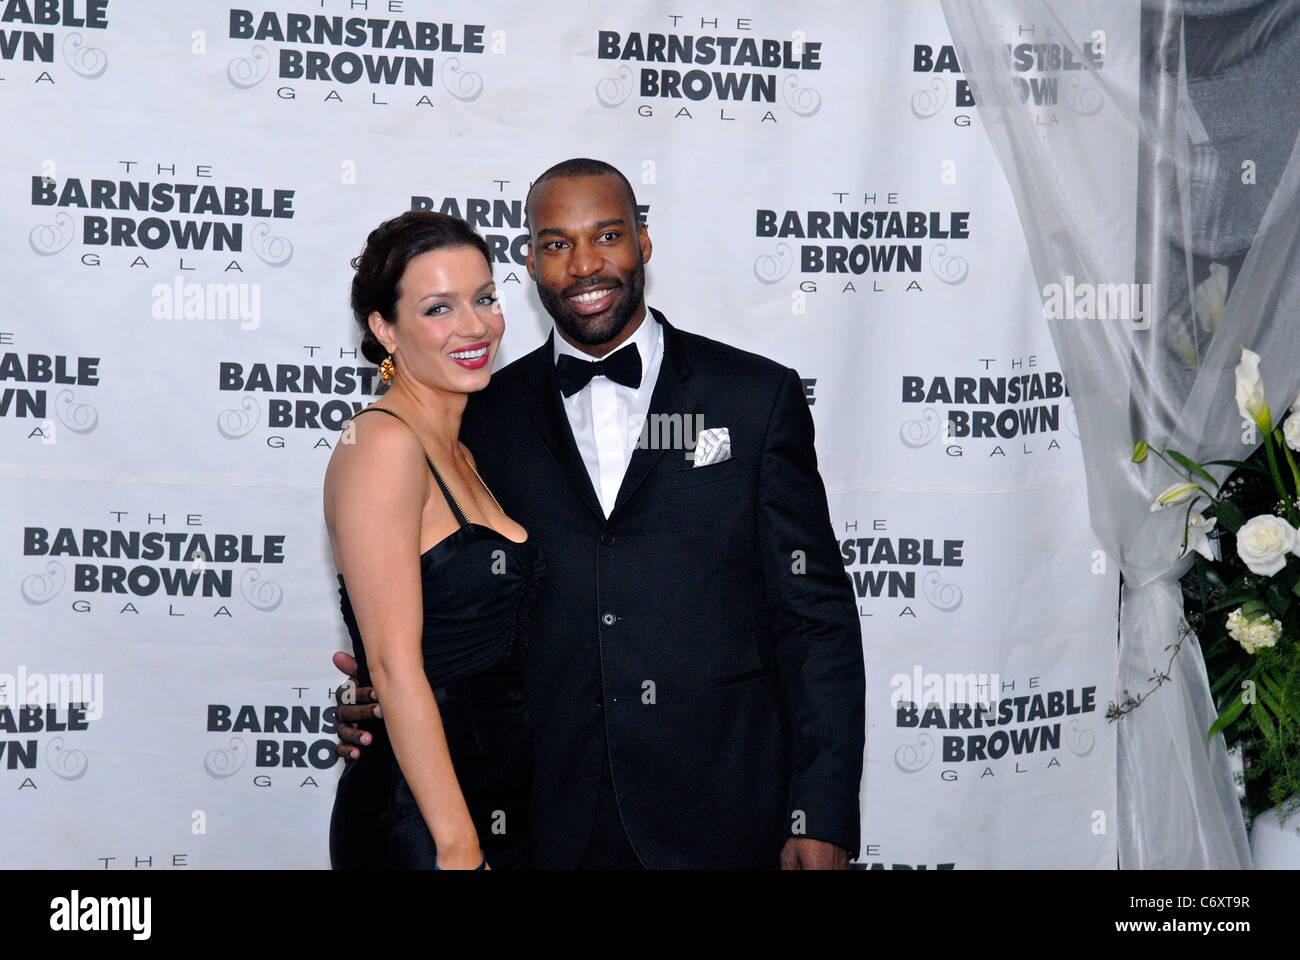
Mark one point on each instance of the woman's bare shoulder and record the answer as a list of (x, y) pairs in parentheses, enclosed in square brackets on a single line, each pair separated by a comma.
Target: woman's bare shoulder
[(371, 441)]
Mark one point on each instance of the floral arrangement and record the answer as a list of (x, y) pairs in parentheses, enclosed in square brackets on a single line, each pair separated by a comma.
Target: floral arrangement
[(1242, 593)]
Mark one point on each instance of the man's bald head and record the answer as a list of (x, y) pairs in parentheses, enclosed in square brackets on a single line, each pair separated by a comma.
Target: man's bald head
[(580, 167)]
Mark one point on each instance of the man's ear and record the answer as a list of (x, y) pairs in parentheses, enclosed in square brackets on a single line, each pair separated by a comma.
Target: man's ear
[(382, 329), (644, 236), (528, 260)]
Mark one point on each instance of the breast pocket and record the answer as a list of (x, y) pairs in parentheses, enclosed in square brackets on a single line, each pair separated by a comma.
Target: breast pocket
[(693, 476)]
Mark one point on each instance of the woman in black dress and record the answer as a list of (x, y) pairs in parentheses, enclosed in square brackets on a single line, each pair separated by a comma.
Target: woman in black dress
[(435, 581)]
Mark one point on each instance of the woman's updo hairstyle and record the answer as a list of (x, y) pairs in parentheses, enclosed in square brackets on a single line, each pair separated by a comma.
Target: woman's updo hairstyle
[(389, 248)]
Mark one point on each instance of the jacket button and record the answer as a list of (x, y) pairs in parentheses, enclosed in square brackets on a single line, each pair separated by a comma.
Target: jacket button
[(608, 539), (600, 703), (608, 619)]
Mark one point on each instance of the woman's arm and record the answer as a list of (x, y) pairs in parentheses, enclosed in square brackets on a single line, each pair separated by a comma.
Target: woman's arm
[(378, 486)]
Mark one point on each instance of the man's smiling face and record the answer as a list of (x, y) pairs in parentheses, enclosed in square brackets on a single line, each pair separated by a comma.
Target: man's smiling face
[(587, 255)]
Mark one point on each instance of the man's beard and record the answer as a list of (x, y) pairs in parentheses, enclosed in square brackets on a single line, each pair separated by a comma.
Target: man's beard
[(601, 328)]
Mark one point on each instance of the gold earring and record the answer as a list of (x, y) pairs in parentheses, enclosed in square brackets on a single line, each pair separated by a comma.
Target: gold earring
[(387, 369)]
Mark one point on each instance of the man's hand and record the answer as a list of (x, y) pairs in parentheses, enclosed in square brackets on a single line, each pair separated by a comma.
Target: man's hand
[(354, 703), (803, 853)]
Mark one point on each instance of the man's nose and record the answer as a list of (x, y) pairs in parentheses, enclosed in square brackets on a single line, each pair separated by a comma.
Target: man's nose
[(585, 260)]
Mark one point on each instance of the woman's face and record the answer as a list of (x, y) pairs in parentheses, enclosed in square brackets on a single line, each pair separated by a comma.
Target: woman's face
[(449, 322)]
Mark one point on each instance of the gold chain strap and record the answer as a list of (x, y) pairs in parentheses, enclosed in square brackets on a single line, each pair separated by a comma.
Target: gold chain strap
[(480, 480)]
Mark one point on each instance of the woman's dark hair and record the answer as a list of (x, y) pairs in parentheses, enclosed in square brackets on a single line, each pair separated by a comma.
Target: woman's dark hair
[(389, 248)]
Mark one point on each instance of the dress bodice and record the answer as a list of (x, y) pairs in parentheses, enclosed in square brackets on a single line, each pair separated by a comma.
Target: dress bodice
[(478, 587)]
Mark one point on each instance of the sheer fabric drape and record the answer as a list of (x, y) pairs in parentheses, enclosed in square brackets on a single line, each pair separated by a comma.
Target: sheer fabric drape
[(1195, 106)]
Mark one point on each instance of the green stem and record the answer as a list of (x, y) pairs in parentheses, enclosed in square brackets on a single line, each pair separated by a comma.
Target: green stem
[(1277, 475), (1187, 519), (1177, 468), (1295, 473)]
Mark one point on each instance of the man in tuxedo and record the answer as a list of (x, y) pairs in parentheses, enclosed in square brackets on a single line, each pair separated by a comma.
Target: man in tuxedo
[(694, 671)]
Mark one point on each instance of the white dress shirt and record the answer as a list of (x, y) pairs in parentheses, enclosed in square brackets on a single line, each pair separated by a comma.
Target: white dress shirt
[(606, 417)]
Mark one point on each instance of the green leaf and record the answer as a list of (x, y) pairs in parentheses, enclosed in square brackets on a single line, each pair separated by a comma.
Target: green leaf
[(1278, 599), (1269, 701), (1243, 584), (1239, 599), (1192, 466), (1226, 718), (1140, 451), (1229, 678), (1231, 515), (1254, 609), (1261, 717), (1272, 684), (1238, 464)]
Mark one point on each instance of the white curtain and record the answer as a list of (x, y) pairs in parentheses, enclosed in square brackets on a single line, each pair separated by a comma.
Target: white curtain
[(1170, 159)]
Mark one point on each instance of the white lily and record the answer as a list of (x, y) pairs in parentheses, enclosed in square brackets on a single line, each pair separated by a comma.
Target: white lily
[(1174, 493), (1211, 297), (1198, 529), (1251, 402), (1178, 338)]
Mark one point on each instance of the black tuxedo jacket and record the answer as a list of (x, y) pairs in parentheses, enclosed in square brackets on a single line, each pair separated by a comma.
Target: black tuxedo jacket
[(706, 633)]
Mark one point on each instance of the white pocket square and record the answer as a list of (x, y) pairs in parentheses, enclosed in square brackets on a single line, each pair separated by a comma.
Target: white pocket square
[(712, 446)]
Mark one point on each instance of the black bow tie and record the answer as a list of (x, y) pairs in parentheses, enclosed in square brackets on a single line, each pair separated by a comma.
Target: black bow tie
[(622, 366)]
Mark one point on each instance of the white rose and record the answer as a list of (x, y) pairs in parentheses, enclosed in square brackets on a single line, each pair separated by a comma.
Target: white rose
[(1263, 631), (1291, 431), (1263, 543)]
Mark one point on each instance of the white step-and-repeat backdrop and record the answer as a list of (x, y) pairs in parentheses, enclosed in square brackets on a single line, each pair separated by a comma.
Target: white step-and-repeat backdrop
[(182, 188)]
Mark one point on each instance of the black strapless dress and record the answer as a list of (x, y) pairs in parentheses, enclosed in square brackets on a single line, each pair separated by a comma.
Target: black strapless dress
[(478, 586)]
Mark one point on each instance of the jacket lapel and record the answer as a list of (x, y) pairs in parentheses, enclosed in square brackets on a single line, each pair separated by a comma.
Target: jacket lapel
[(673, 396), (552, 423)]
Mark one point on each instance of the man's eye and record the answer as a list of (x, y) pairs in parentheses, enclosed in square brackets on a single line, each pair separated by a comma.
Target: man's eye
[(611, 235), (554, 245)]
